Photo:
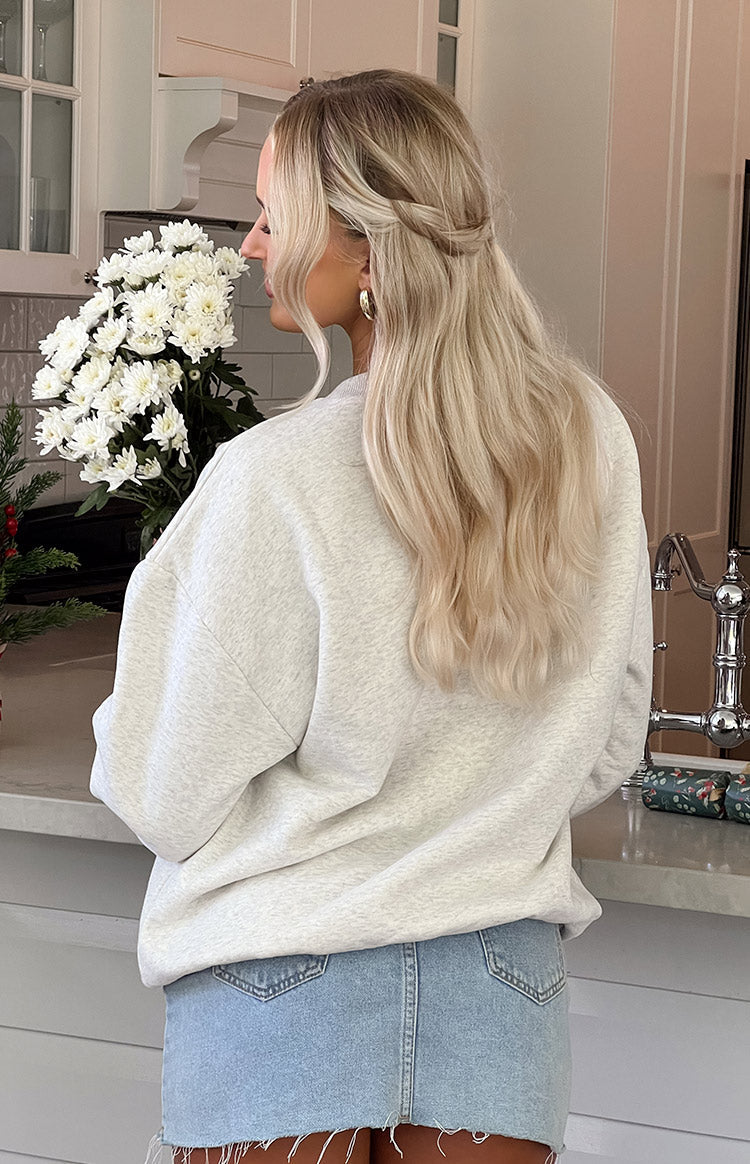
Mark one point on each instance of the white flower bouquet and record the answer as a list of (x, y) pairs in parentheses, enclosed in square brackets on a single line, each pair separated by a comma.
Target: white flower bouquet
[(139, 373)]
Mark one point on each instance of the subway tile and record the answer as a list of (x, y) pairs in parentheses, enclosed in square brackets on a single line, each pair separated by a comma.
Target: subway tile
[(17, 372), (249, 289), (255, 370), (75, 488), (293, 375), (45, 314), (259, 335), (31, 419), (13, 313), (55, 495)]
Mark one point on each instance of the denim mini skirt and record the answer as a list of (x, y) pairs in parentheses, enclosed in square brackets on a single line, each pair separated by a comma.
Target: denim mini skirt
[(465, 1031)]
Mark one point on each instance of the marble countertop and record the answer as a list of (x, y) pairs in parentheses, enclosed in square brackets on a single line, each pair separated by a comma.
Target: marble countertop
[(52, 685)]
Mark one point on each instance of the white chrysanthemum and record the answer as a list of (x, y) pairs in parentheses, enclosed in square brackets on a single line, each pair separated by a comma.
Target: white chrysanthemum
[(48, 384), (230, 262), (94, 471), (147, 345), (208, 298), (112, 270), (147, 266), (138, 243), (93, 375), (78, 402), (97, 306), (53, 429), (49, 345), (150, 469), (71, 347), (182, 234), (168, 430), (109, 336), (150, 310), (225, 336), (196, 336), (124, 468), (91, 436), (113, 405), (170, 375), (140, 386), (184, 269)]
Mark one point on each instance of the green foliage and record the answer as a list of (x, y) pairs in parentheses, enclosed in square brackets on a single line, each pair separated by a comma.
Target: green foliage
[(18, 626)]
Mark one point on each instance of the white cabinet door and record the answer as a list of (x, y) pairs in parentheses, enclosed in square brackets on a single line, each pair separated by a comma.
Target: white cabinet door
[(248, 40), (48, 152)]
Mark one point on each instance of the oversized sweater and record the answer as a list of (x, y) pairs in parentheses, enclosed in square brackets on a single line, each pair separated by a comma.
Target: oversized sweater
[(269, 740)]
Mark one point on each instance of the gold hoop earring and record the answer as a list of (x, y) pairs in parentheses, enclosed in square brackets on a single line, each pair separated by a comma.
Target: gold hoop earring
[(367, 303)]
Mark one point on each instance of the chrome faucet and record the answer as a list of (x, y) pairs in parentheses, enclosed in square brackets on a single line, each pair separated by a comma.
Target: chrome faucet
[(726, 723)]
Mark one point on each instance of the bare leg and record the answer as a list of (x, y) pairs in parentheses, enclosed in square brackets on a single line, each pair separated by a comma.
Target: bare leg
[(308, 1150), (419, 1146)]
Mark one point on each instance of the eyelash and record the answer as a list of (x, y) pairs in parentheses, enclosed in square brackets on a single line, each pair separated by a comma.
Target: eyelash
[(265, 230)]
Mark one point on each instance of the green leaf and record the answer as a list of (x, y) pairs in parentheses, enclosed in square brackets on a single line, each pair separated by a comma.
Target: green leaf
[(93, 499)]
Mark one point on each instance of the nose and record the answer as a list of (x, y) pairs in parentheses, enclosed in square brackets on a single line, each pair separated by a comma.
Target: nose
[(253, 244)]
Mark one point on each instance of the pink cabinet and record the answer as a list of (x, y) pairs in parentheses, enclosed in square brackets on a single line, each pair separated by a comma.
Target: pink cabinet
[(277, 44)]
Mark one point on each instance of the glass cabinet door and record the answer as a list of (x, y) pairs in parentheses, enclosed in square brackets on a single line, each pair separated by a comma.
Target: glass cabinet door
[(39, 101), (10, 168), (11, 36)]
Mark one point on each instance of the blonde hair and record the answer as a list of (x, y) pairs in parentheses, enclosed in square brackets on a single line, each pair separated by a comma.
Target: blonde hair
[(478, 433)]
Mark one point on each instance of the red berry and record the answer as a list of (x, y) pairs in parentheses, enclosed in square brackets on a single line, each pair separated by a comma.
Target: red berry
[(10, 510), (12, 526), (11, 553)]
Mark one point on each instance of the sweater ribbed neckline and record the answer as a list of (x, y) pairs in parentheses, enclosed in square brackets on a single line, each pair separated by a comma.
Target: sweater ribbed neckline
[(353, 386)]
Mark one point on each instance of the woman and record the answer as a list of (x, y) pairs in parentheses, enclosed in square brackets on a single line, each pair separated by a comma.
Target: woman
[(394, 640)]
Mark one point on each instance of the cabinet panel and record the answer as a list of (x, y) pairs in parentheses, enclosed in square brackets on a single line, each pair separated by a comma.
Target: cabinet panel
[(598, 1141), (76, 1099), (95, 991), (345, 38), (635, 1056), (265, 44)]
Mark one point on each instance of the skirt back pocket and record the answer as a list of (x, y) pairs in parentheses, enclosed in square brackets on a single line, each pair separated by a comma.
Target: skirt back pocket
[(266, 978), (527, 954)]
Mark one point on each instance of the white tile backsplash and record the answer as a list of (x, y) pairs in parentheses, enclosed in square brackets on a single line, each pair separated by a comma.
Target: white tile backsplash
[(13, 314)]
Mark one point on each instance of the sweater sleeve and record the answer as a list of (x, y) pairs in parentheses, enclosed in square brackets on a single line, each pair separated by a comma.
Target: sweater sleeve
[(624, 642), (183, 732), (629, 726)]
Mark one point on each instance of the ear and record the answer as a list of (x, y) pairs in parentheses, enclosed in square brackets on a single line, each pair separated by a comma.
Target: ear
[(364, 272)]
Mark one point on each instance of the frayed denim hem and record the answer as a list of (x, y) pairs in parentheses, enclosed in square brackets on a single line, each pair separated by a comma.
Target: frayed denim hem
[(234, 1152)]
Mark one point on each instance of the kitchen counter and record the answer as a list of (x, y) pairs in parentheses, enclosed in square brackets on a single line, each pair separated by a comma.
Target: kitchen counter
[(52, 685)]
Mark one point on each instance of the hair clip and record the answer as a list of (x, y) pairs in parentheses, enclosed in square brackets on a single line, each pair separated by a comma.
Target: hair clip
[(306, 82)]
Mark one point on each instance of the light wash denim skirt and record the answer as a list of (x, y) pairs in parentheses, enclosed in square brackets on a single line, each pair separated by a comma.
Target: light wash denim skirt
[(465, 1031)]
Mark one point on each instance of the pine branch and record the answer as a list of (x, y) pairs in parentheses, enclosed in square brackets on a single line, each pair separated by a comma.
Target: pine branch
[(29, 492), (20, 626), (38, 561)]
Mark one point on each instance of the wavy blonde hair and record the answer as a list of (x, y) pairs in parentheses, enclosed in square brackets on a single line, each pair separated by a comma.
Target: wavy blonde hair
[(477, 431)]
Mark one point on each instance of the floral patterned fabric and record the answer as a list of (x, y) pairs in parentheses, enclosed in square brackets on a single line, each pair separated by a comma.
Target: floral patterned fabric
[(737, 799), (700, 791)]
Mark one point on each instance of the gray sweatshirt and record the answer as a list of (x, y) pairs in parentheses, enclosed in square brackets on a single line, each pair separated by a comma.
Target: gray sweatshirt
[(268, 739)]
